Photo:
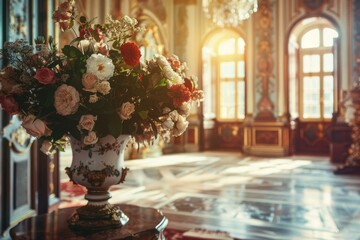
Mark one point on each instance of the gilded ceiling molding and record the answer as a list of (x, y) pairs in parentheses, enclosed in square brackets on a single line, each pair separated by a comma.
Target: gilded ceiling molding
[(265, 61), (185, 2)]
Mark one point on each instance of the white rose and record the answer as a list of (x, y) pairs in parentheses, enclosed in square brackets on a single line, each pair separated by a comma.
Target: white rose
[(84, 45), (67, 100), (87, 122), (93, 98), (91, 138), (101, 66), (35, 127), (168, 124), (174, 115), (46, 147), (166, 110), (180, 126), (162, 61), (103, 87), (173, 77), (185, 109), (126, 110)]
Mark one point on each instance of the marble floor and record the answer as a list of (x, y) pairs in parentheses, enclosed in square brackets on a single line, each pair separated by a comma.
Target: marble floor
[(295, 197)]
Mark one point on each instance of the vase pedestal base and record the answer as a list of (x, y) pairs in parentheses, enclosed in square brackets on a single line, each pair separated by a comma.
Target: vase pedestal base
[(96, 218)]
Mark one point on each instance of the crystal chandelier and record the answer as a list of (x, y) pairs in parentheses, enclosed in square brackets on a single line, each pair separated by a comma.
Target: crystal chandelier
[(229, 12)]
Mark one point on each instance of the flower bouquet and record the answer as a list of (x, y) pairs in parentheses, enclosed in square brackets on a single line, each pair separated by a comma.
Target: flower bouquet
[(95, 86), (94, 91)]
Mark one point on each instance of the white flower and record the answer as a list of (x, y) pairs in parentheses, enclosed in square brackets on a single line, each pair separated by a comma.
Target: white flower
[(101, 66), (180, 126), (174, 115), (91, 138), (162, 61), (87, 122), (46, 147), (103, 87), (168, 124), (67, 100), (93, 98), (185, 108), (172, 76), (84, 45), (126, 110), (166, 110)]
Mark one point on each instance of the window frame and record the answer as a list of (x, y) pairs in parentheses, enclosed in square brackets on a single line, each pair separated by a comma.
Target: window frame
[(321, 51), (235, 58)]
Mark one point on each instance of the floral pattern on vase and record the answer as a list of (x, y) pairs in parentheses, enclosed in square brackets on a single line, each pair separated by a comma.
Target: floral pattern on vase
[(98, 169)]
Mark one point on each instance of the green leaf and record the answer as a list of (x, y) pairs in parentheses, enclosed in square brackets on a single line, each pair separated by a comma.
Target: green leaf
[(143, 114), (76, 40), (71, 51), (115, 125), (83, 19)]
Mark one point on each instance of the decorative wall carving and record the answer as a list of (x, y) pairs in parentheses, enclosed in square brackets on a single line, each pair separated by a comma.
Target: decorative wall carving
[(181, 32), (19, 19), (265, 61), (156, 6), (267, 137)]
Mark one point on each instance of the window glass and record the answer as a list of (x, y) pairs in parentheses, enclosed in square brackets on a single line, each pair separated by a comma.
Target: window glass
[(227, 100), (241, 46), (241, 69), (311, 39), (328, 62), (311, 63), (227, 70), (241, 99), (227, 47), (311, 97), (328, 96), (328, 37)]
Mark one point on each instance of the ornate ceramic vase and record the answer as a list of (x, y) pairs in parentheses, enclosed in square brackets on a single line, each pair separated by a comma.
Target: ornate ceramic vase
[(98, 169)]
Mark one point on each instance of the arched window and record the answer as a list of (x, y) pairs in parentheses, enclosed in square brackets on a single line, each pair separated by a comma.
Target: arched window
[(224, 77), (314, 44), (231, 79)]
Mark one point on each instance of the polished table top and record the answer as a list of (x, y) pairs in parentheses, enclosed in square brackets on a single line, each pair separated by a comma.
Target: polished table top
[(144, 223)]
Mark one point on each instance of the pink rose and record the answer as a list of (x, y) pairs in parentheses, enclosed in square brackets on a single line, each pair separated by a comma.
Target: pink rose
[(89, 80), (35, 127), (91, 138), (45, 76), (47, 147), (126, 110), (67, 100), (66, 7), (9, 104), (87, 122)]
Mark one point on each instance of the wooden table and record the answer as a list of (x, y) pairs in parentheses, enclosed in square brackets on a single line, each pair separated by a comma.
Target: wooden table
[(144, 224)]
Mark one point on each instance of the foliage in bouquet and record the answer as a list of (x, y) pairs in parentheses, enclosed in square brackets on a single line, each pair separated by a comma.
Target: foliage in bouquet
[(95, 86)]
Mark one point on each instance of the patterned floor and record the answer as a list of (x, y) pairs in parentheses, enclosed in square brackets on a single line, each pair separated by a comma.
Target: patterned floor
[(246, 197)]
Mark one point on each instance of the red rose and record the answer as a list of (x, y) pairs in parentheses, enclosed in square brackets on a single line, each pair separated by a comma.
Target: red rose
[(130, 53), (180, 94), (188, 83), (9, 104), (45, 76)]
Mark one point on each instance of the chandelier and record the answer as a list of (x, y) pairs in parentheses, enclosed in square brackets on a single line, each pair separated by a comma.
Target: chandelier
[(229, 12)]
